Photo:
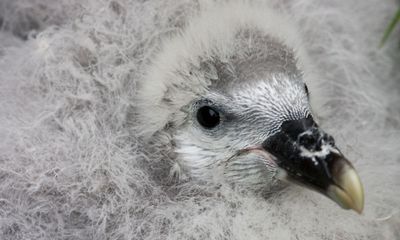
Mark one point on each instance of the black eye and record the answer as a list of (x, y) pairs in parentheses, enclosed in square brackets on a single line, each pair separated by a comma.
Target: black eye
[(208, 117)]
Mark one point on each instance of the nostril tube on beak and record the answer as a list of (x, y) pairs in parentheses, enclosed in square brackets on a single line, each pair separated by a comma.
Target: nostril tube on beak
[(308, 156), (311, 139), (307, 140)]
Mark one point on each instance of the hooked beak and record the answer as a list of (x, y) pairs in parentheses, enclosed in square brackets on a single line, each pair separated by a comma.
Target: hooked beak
[(308, 156)]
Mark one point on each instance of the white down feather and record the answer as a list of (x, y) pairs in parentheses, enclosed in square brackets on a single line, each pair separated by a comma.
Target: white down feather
[(72, 165)]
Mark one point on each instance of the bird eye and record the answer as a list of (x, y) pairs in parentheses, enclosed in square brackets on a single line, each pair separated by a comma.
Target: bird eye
[(208, 117)]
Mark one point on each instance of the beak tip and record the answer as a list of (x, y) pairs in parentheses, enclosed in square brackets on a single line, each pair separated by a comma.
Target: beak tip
[(348, 191), (359, 211), (359, 207)]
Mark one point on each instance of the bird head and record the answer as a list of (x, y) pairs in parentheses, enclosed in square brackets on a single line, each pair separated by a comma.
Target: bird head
[(230, 94)]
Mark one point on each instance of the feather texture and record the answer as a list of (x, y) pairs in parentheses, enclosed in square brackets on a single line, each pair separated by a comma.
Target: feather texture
[(73, 164)]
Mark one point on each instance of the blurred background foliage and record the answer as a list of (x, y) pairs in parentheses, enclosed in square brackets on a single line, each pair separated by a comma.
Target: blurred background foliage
[(393, 23)]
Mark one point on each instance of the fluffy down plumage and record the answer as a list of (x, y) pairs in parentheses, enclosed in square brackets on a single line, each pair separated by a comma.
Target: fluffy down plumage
[(74, 166)]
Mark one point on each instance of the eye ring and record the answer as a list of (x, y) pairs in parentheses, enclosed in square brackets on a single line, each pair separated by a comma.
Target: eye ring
[(208, 117)]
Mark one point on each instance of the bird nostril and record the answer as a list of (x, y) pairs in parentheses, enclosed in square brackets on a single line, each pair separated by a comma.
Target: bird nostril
[(307, 140), (315, 140)]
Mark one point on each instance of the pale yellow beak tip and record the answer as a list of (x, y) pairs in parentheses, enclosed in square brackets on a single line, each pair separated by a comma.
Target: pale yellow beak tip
[(348, 191)]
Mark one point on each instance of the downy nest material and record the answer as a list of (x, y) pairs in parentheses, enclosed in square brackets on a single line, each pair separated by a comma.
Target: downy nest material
[(77, 161)]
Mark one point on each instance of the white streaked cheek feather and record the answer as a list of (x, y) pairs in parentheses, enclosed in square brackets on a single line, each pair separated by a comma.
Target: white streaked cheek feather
[(197, 156), (250, 169), (204, 159)]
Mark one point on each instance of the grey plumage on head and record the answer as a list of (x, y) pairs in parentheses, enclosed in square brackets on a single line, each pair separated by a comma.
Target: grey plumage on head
[(223, 91), (232, 60), (121, 119), (233, 38)]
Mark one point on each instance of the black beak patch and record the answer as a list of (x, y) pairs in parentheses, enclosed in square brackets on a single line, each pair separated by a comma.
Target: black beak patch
[(309, 157)]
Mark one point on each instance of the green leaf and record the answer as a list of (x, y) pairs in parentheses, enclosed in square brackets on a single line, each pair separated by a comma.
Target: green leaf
[(390, 28)]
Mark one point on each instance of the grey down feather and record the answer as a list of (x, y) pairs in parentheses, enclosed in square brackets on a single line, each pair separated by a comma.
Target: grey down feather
[(74, 163)]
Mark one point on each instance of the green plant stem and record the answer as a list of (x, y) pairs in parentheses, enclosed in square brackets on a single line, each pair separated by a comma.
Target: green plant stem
[(390, 28)]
